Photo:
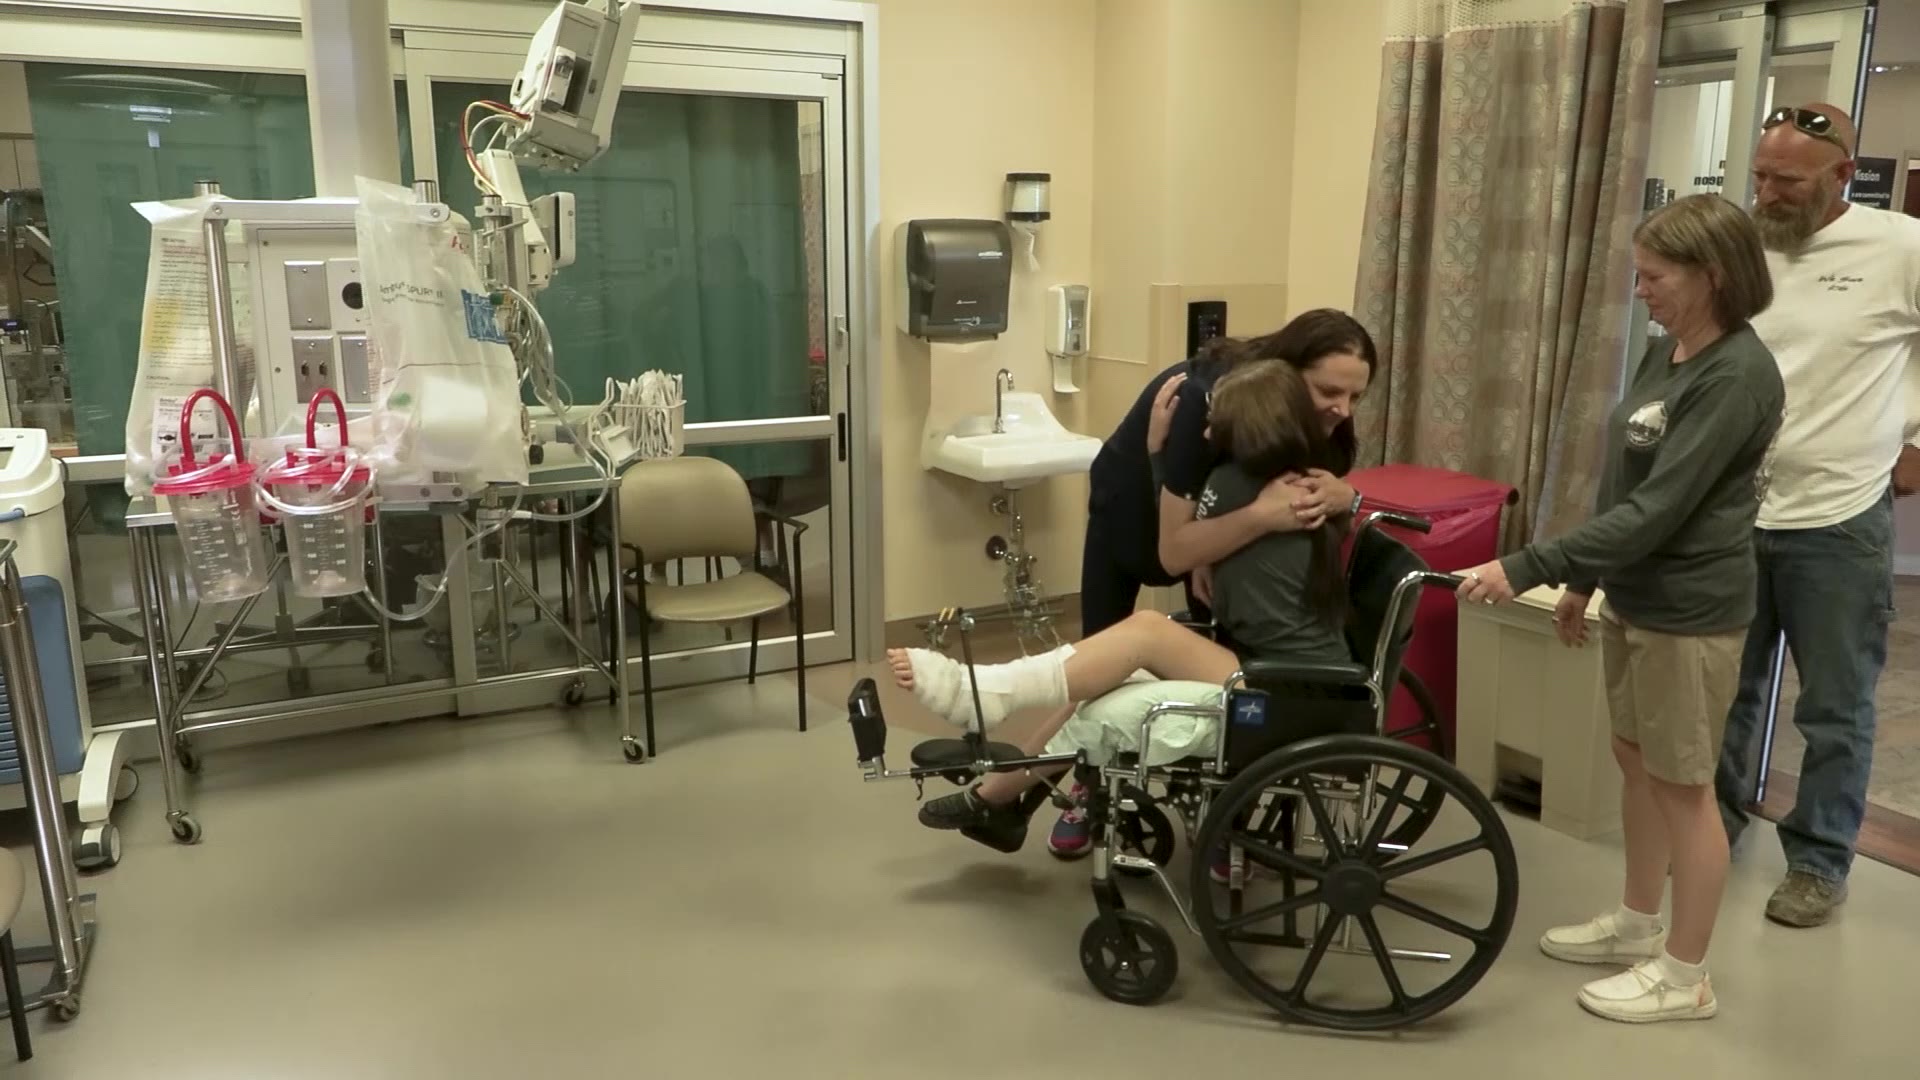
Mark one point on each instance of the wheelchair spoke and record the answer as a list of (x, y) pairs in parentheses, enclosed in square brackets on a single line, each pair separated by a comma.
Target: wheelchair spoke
[(1274, 910), (1322, 820), (1404, 867), (1275, 858), (1377, 831), (1320, 942), (1378, 943), (1434, 919)]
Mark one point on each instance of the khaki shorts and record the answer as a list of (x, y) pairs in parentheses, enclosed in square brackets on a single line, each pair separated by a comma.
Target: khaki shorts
[(1669, 694)]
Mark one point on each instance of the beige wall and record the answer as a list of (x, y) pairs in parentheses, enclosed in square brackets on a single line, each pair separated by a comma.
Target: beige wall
[(968, 93), (1338, 92)]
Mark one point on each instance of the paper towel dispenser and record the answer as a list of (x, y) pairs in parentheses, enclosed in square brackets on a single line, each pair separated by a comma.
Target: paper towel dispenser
[(954, 277)]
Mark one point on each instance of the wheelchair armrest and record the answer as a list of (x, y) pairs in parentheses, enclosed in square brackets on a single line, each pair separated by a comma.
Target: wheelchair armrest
[(1291, 671), (869, 723)]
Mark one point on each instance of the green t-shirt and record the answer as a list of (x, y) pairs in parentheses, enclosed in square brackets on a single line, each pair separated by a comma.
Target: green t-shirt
[(1260, 592), (1671, 539)]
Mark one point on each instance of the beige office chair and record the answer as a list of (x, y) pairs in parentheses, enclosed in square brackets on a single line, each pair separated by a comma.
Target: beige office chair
[(13, 884), (699, 508)]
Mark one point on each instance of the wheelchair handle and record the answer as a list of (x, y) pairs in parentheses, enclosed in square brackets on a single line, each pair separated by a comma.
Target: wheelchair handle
[(1404, 521)]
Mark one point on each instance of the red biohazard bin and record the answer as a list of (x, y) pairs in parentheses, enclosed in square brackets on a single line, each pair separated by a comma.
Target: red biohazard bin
[(1465, 512)]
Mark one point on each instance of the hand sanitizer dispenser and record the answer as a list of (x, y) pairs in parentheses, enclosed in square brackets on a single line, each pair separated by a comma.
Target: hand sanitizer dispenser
[(954, 276), (1067, 331)]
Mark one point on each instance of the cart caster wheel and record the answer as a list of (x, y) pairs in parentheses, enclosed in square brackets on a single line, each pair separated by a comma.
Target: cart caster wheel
[(128, 783), (576, 695), (634, 752), (185, 829), (98, 848), (189, 760), (66, 1008), (1131, 960)]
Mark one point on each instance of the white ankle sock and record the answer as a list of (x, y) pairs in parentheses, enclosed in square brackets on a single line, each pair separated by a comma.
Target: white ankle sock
[(941, 684), (1679, 972), (1635, 924)]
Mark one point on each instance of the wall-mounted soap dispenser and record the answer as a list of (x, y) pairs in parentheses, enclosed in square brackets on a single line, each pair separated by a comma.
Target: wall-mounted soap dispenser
[(1068, 331), (954, 277)]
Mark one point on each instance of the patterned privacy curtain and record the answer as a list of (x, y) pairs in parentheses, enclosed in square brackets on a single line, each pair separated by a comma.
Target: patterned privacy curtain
[(1496, 266)]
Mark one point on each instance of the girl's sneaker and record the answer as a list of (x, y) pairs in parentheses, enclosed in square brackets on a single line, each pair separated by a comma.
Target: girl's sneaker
[(1072, 835)]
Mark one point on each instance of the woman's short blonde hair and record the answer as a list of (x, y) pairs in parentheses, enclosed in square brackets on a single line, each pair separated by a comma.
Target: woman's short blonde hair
[(1709, 233)]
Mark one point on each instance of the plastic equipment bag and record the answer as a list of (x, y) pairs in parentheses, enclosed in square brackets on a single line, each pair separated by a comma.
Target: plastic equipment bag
[(176, 341), (447, 394)]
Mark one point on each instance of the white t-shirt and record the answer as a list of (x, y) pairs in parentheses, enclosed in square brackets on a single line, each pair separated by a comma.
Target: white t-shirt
[(1843, 326)]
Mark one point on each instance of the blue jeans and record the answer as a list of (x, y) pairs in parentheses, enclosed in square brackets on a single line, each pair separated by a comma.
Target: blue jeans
[(1831, 591)]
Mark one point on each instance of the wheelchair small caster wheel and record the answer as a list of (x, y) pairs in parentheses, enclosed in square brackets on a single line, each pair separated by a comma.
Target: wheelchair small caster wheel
[(634, 752), (98, 848), (576, 694), (299, 682), (185, 829), (376, 660), (189, 761), (1129, 958), (66, 1008)]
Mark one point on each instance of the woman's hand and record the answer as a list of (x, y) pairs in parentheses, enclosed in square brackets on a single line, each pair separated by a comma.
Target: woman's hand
[(1485, 584), (1165, 400), (1570, 619), (1275, 504), (1326, 495)]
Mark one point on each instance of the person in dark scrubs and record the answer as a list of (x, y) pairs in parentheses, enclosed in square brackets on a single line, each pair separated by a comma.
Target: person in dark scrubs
[(1147, 532), (1141, 534)]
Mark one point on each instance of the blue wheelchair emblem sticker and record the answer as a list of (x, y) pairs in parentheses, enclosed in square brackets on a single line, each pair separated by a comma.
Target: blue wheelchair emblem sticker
[(481, 325), (1248, 708)]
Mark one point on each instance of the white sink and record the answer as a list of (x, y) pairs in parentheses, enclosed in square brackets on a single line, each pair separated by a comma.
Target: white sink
[(1033, 446)]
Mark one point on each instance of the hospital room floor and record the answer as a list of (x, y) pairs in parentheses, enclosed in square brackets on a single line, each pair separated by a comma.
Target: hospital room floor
[(506, 898)]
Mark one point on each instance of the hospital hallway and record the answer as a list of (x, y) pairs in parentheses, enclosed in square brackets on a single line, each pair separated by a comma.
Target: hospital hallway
[(506, 898)]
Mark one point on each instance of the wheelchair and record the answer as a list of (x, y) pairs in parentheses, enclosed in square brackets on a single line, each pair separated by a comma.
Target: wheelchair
[(1330, 830)]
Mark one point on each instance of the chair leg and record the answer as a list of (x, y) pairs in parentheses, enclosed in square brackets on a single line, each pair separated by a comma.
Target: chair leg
[(753, 651), (16, 1001), (646, 674)]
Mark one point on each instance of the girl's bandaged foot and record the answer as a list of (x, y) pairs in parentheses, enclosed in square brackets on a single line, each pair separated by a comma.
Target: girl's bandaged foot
[(941, 684)]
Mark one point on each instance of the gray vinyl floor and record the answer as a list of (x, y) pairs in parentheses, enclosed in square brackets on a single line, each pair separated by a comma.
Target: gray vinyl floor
[(506, 898)]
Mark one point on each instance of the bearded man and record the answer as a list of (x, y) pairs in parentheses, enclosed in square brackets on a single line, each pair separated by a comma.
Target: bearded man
[(1843, 327)]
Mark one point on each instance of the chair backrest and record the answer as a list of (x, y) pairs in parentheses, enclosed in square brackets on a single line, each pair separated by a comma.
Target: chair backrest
[(686, 507), (1378, 565)]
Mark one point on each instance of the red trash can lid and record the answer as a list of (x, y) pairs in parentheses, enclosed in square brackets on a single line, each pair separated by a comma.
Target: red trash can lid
[(1422, 489)]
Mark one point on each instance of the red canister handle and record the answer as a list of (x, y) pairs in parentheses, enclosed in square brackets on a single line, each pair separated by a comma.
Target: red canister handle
[(313, 415), (186, 424)]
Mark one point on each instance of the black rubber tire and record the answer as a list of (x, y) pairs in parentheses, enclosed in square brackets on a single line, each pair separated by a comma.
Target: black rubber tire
[(1134, 963), (1149, 832), (1338, 754)]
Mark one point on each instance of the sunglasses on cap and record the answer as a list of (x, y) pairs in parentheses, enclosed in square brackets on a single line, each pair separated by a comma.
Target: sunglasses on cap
[(1806, 121)]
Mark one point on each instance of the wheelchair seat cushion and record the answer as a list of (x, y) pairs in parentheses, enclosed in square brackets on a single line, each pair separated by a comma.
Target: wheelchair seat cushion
[(1109, 725)]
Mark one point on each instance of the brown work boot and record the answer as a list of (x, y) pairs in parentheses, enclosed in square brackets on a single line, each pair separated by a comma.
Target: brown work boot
[(1805, 900)]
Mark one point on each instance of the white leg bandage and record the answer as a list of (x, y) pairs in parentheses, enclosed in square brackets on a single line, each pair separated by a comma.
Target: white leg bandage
[(941, 684)]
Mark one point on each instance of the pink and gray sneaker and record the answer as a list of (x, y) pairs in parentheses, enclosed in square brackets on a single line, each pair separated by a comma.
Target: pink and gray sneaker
[(1072, 835)]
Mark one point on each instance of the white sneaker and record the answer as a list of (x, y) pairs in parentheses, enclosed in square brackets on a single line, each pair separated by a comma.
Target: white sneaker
[(1643, 994), (1599, 941)]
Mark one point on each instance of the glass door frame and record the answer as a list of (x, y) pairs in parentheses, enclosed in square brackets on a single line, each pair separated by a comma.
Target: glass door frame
[(433, 57)]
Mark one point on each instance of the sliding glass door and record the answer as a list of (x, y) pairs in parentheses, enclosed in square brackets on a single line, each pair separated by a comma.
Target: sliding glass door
[(711, 245)]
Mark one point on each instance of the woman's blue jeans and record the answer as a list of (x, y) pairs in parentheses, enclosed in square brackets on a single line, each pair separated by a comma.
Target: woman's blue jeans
[(1831, 591)]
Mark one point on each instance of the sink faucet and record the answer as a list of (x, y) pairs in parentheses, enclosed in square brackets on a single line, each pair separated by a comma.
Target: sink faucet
[(1002, 382)]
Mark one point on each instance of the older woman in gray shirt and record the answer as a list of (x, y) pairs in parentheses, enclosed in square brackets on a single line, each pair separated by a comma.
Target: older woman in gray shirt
[(1671, 543)]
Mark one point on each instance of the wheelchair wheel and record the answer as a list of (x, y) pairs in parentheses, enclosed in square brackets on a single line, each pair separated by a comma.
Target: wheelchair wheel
[(1351, 935), (1131, 959), (1147, 832)]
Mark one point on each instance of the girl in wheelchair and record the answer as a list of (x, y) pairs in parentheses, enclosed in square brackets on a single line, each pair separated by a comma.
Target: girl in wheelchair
[(1281, 597)]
